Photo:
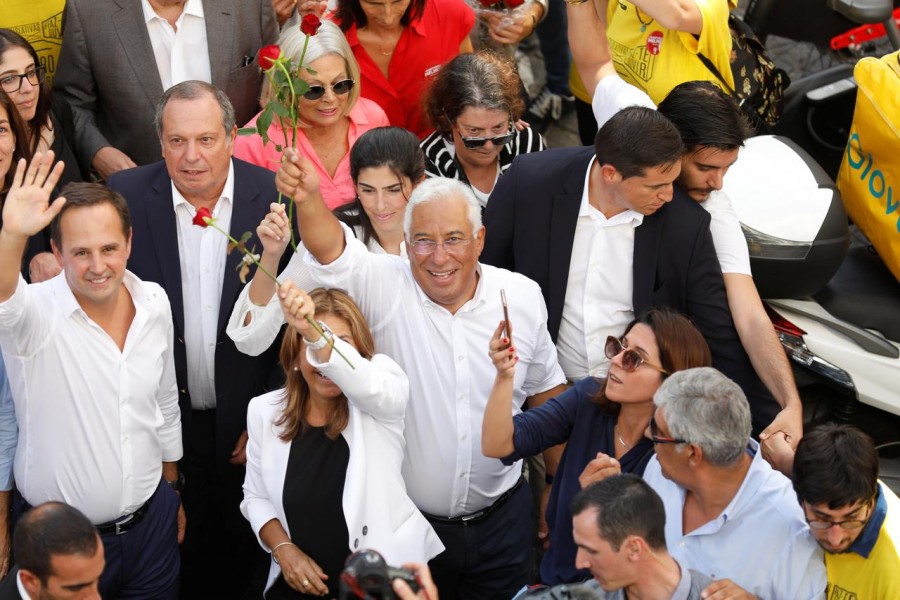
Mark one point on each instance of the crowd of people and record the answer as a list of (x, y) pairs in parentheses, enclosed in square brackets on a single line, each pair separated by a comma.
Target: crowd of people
[(396, 321)]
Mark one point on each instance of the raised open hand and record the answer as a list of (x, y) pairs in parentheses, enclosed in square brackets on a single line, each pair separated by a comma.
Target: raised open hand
[(27, 208)]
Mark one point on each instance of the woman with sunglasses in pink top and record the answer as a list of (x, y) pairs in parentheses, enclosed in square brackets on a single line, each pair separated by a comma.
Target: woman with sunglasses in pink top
[(332, 115), (601, 421)]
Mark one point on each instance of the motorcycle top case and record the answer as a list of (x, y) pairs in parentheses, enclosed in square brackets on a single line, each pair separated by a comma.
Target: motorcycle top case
[(869, 178)]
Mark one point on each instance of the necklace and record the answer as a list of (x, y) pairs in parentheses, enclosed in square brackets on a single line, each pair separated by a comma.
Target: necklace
[(637, 13), (620, 439), (383, 53)]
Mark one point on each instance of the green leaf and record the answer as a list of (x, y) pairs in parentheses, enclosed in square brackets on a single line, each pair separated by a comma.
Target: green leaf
[(280, 109), (311, 71), (247, 235), (278, 148), (300, 86), (265, 121), (247, 131)]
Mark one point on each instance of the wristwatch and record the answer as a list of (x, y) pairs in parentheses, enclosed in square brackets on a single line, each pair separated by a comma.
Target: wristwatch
[(178, 483), (323, 341)]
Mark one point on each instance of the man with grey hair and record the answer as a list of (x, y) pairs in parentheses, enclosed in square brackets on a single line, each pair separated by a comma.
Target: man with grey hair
[(196, 127), (435, 314), (729, 515)]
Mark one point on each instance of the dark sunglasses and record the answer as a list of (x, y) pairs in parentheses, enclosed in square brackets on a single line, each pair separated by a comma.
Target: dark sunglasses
[(340, 88), (662, 439), (631, 360), (478, 142)]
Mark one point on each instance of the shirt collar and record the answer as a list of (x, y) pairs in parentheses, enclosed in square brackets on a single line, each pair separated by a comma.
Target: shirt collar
[(869, 536), (68, 303), (227, 194), (683, 589), (193, 8), (752, 480), (586, 210)]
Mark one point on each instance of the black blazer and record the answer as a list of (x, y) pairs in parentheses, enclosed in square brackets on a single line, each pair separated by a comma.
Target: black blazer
[(9, 589), (530, 221), (154, 257)]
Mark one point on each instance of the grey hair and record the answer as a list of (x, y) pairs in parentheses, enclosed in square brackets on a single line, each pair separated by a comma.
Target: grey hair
[(709, 410), (440, 188), (192, 90), (328, 40)]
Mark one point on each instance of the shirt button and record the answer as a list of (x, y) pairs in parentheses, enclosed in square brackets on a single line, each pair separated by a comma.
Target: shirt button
[(460, 357), (464, 437), (365, 530), (356, 543), (211, 345)]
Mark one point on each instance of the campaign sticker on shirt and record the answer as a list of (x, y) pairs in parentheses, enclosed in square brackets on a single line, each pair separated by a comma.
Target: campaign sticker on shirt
[(432, 70), (654, 41)]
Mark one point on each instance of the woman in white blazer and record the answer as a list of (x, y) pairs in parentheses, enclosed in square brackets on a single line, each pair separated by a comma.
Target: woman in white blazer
[(324, 453)]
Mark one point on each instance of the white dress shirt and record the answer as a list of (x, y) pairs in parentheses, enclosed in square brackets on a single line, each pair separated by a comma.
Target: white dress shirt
[(760, 541), (599, 291), (182, 52), (202, 253), (255, 337), (450, 373), (95, 422), (728, 237)]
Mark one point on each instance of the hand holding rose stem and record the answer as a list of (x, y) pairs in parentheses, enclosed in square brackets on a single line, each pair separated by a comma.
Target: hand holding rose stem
[(204, 219)]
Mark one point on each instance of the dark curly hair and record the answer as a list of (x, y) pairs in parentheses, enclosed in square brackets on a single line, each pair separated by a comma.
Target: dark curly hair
[(482, 79)]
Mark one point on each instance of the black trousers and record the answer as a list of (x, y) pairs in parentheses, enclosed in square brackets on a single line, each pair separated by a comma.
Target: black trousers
[(220, 552), (488, 559)]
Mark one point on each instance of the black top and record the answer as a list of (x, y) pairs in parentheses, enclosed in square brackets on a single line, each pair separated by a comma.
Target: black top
[(313, 504)]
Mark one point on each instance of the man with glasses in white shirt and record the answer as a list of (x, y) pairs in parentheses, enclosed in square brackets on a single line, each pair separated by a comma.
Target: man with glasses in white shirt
[(89, 356), (435, 315)]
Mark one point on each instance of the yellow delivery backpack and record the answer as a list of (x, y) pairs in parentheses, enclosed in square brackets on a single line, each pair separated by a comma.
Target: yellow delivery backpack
[(869, 179)]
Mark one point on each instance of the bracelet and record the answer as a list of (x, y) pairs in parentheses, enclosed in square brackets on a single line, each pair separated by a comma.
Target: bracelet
[(574, 2), (277, 546), (323, 339)]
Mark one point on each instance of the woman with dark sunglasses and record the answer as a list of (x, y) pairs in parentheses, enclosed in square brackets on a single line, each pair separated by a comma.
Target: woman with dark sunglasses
[(475, 103), (332, 113), (601, 421), (48, 125)]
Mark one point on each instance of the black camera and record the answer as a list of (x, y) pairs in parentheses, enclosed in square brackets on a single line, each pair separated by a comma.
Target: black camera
[(367, 576)]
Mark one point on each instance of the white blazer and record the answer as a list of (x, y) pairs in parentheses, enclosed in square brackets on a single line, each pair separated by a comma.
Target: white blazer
[(380, 516)]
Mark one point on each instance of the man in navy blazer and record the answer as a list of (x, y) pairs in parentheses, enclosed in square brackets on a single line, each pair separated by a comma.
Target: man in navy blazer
[(536, 207), (196, 127)]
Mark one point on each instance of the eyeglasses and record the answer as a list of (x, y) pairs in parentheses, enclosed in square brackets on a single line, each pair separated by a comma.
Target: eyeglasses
[(631, 360), (848, 525), (478, 142), (662, 439), (454, 245), (13, 83), (340, 88)]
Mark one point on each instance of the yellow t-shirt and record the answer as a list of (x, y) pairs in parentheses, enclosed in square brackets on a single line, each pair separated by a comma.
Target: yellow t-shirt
[(855, 577), (39, 22), (656, 59)]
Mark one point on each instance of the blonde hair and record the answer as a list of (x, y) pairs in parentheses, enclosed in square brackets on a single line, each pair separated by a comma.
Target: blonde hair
[(293, 418), (328, 40)]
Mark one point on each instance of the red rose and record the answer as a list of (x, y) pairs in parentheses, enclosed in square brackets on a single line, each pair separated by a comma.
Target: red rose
[(203, 213), (310, 24), (513, 3), (267, 56)]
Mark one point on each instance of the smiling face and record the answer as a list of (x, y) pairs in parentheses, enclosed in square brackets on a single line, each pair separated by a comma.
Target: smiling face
[(383, 196), (384, 14), (703, 170), (330, 108), (836, 539), (609, 567), (448, 279), (479, 122), (93, 255), (639, 385), (18, 61), (7, 143), (321, 387), (196, 148)]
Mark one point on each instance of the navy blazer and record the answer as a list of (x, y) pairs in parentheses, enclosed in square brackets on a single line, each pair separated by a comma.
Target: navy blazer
[(154, 257), (530, 221)]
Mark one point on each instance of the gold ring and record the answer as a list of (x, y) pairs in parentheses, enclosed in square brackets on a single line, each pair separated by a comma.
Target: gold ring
[(306, 583)]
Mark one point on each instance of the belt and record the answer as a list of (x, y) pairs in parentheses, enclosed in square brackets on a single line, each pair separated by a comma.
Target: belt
[(480, 515), (125, 523)]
